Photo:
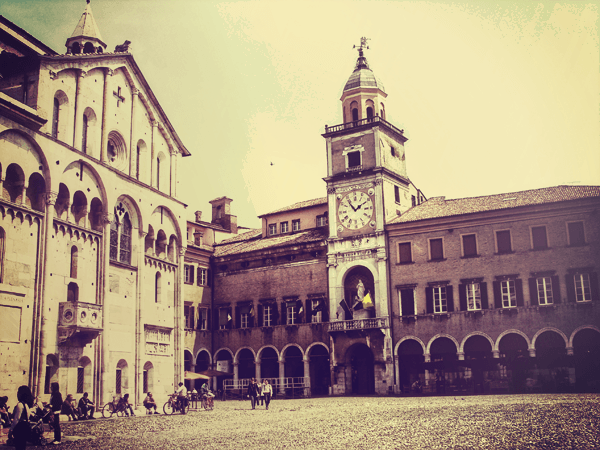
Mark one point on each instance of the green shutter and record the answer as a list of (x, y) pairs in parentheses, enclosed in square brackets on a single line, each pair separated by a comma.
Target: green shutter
[(462, 297), (533, 292)]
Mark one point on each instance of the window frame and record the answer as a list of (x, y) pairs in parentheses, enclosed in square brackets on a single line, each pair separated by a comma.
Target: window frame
[(352, 150), (202, 319), (569, 238), (429, 240), (284, 227), (533, 239), (472, 298), (322, 220), (188, 273), (580, 276), (268, 315), (291, 315), (545, 290), (511, 296), (295, 225), (440, 301), (202, 276), (397, 194), (272, 229), (510, 242), (463, 248), (317, 317), (400, 261)]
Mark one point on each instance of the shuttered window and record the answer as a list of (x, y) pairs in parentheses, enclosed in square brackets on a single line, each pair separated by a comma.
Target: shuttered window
[(405, 252)]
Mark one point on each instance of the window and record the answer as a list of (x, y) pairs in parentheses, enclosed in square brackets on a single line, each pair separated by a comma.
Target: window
[(296, 225), (284, 227), (544, 290), (473, 291), (158, 173), (72, 292), (404, 253), (503, 241), (392, 151), (202, 319), (583, 293), (272, 229), (321, 221), (469, 245), (84, 133), (244, 319), (436, 249), (74, 258), (353, 159), (576, 233), (397, 194), (202, 277), (509, 294), (413, 200), (539, 239), (188, 314), (317, 311), (440, 304), (224, 319), (188, 274), (55, 118), (118, 381), (145, 382), (268, 315), (157, 287), (80, 378), (292, 313), (120, 236), (407, 302), (2, 245)]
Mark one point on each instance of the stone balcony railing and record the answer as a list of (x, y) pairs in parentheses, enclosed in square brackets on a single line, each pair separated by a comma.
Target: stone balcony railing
[(79, 322), (359, 324)]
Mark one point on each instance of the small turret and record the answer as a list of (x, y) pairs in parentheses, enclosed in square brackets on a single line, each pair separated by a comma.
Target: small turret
[(86, 37)]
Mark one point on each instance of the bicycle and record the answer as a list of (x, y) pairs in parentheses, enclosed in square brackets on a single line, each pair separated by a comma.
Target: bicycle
[(208, 402), (113, 408), (174, 404)]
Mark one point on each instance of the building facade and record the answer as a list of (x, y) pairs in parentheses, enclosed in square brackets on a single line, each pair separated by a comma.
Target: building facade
[(91, 230)]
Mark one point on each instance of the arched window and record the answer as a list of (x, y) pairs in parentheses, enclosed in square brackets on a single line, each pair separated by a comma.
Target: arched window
[(74, 257), (51, 374), (121, 379), (355, 114), (73, 292), (157, 286), (84, 134), (158, 173), (55, 118), (120, 236), (2, 245), (76, 48), (148, 378), (137, 162), (369, 113), (89, 48), (84, 375)]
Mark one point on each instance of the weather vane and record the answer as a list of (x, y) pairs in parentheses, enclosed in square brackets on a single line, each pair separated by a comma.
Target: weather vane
[(363, 43)]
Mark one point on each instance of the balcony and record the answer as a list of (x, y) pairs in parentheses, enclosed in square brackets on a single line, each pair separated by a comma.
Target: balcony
[(363, 123), (359, 324), (79, 323)]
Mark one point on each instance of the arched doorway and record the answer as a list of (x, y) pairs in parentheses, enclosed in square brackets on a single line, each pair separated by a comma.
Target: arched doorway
[(410, 363), (586, 349), (362, 369), (293, 367), (319, 370), (269, 364), (443, 362), (224, 363), (551, 362), (188, 364), (246, 368), (514, 361), (359, 283), (478, 362)]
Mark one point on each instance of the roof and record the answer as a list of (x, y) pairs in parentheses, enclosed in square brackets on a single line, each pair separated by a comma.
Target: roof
[(437, 207), (299, 205), (362, 76), (87, 25), (252, 241), (21, 36)]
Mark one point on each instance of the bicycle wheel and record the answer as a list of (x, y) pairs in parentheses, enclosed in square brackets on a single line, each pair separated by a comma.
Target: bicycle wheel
[(211, 403), (185, 408), (108, 410), (168, 408)]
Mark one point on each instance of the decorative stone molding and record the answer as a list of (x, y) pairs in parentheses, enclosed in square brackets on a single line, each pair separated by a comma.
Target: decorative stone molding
[(331, 190), (51, 197), (108, 218), (53, 75), (135, 91)]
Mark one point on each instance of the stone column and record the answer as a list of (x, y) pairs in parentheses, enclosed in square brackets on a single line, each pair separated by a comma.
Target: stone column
[(104, 262), (78, 119), (306, 361), (139, 322), (281, 375), (132, 142), (236, 375), (398, 387), (41, 324), (257, 371), (105, 110), (179, 325)]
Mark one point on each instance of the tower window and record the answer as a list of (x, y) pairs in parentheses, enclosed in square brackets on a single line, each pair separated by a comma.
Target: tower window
[(353, 159), (369, 113), (55, 117), (355, 114), (397, 194)]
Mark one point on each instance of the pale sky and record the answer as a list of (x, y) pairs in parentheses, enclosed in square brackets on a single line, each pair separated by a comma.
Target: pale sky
[(494, 96)]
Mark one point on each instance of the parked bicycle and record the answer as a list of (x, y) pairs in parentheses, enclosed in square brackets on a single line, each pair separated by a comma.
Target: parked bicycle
[(208, 402), (113, 408), (174, 404)]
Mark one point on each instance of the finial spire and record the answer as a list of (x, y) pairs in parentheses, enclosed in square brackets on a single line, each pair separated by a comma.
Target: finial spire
[(361, 62)]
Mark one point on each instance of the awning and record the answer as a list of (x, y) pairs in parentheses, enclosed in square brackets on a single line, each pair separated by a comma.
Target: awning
[(195, 376), (214, 373)]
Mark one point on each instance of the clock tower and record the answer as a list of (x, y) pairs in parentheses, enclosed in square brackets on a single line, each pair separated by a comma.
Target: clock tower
[(367, 185)]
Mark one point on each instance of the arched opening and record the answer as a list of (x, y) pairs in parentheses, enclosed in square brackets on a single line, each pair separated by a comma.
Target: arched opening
[(269, 364), (35, 197), (88, 132), (202, 361), (514, 361), (148, 378), (51, 374), (88, 47), (149, 242), (586, 350), (188, 364), (319, 370), (224, 363), (72, 292), (161, 174), (84, 375), (246, 368), (63, 201), (362, 369), (369, 114), (355, 115), (476, 366), (95, 215), (172, 248), (14, 182), (55, 117), (74, 258), (410, 364), (293, 367), (140, 149), (359, 284), (59, 115), (75, 48), (551, 362), (121, 377), (161, 244), (79, 208), (382, 111), (443, 363), (120, 236), (157, 288)]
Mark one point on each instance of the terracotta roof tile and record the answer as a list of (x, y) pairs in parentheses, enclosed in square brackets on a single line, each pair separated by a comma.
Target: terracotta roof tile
[(252, 241), (440, 207), (299, 205)]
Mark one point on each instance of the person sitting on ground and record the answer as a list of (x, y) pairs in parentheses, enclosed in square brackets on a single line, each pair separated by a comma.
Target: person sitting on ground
[(68, 408), (4, 413), (125, 406), (149, 403), (85, 406)]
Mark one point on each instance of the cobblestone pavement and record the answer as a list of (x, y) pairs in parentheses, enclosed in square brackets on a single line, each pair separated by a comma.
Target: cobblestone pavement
[(535, 421)]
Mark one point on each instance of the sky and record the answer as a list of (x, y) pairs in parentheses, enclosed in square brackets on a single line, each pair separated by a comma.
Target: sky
[(494, 96)]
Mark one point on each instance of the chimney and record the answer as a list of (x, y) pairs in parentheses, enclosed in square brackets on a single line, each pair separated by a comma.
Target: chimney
[(198, 216)]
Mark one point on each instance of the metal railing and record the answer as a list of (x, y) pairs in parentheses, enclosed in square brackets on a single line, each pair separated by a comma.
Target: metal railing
[(359, 324), (292, 387), (360, 123)]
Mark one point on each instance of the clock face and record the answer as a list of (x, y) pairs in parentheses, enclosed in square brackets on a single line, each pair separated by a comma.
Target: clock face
[(355, 210)]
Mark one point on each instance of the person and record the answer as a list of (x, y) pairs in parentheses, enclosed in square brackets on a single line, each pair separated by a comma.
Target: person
[(149, 403), (181, 395), (19, 429), (416, 387), (267, 391), (5, 421), (261, 397), (68, 407), (124, 405), (86, 405), (56, 402), (252, 392)]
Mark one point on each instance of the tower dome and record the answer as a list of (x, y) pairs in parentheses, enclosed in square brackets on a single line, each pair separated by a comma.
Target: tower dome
[(363, 76)]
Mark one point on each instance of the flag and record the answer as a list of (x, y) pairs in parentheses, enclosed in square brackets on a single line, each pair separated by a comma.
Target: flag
[(367, 302), (358, 305), (343, 311), (251, 311), (300, 310), (228, 317)]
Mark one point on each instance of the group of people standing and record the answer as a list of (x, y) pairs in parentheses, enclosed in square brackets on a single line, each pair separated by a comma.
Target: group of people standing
[(259, 392)]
